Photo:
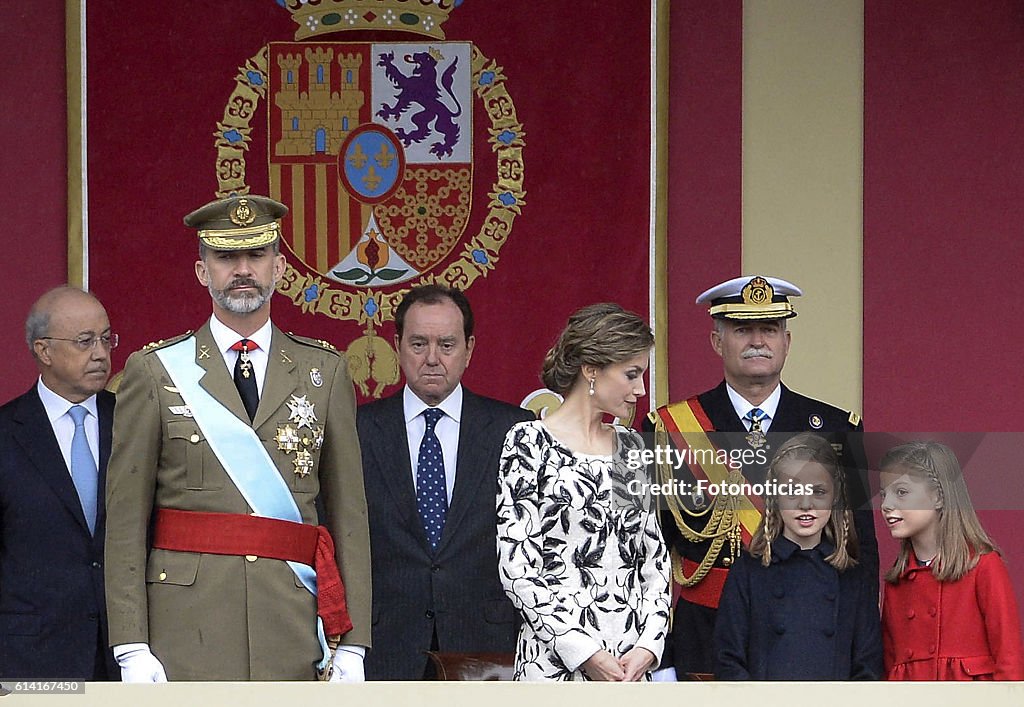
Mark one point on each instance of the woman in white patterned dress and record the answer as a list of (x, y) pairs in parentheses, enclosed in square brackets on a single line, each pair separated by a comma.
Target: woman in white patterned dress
[(579, 547)]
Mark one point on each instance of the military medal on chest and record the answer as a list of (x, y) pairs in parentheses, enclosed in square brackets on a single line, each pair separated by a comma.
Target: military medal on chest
[(246, 364), (303, 463), (293, 440), (756, 438), (287, 439), (300, 411)]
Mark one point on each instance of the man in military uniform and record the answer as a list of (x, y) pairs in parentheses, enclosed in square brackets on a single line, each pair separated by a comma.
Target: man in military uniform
[(218, 564), (748, 415)]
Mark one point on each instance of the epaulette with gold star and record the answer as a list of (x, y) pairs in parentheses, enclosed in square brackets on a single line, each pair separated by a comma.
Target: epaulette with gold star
[(154, 345), (854, 419), (317, 343)]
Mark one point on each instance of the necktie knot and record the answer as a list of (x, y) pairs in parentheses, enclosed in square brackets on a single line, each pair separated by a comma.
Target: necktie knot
[(244, 345), (432, 416), (78, 413), (756, 415)]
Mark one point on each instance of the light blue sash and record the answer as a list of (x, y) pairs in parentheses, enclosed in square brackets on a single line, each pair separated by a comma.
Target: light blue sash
[(240, 452)]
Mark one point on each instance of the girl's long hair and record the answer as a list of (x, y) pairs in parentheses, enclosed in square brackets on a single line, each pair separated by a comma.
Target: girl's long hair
[(961, 539), (809, 447)]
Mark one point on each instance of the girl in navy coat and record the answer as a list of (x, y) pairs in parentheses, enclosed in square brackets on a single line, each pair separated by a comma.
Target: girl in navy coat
[(798, 606)]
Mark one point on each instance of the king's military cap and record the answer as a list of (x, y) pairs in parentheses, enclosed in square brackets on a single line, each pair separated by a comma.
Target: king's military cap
[(238, 222), (751, 298)]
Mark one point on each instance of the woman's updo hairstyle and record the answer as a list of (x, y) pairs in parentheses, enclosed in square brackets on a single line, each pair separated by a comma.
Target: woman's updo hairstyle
[(596, 335)]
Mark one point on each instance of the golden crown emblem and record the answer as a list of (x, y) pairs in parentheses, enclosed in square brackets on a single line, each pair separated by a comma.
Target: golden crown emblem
[(318, 17)]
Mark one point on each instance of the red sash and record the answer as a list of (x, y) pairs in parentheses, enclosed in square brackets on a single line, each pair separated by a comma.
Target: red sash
[(236, 534)]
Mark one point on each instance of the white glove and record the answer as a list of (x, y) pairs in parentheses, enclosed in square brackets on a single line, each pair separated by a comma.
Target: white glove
[(138, 664), (664, 675), (347, 664)]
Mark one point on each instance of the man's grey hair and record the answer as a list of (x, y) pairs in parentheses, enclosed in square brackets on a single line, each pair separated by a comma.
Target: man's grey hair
[(37, 325)]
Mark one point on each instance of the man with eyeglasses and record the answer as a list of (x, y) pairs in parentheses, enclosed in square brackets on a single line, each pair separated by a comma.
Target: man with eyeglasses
[(54, 444), (235, 493)]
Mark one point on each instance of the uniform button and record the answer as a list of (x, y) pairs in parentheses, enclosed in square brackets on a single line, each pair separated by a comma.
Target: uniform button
[(932, 611), (251, 558), (435, 568), (830, 596), (780, 630), (779, 592), (829, 632), (931, 649), (93, 616), (910, 653), (429, 614), (96, 565), (911, 614), (194, 439), (163, 576)]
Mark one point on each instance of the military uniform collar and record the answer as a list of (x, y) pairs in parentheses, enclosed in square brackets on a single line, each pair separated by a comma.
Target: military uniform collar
[(225, 337), (740, 404)]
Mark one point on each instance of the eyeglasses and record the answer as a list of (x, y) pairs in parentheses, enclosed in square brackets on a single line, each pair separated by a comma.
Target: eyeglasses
[(86, 343)]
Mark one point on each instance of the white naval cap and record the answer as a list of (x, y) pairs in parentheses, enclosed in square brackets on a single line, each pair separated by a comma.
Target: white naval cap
[(752, 297)]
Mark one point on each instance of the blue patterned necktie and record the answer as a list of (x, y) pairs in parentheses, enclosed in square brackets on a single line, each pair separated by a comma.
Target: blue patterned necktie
[(431, 491), (83, 467), (755, 417)]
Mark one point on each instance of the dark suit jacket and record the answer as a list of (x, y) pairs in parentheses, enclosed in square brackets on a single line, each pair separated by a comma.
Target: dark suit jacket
[(690, 646), (454, 590), (52, 616)]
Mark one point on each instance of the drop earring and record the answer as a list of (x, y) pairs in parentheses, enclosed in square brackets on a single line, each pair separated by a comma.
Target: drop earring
[(591, 392)]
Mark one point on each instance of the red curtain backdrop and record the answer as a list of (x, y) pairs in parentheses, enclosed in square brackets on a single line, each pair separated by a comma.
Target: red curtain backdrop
[(33, 181), (944, 235), (160, 76), (705, 179)]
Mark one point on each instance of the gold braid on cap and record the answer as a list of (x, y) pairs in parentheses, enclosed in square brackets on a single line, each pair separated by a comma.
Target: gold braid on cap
[(238, 238), (723, 524)]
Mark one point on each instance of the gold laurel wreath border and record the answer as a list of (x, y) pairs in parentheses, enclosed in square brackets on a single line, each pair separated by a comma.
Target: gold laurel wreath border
[(462, 272)]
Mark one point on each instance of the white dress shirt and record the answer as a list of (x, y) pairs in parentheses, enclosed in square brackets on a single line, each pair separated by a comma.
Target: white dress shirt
[(226, 338), (447, 431), (770, 406), (64, 427)]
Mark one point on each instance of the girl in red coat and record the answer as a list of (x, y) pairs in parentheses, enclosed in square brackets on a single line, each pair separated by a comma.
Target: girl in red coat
[(949, 611)]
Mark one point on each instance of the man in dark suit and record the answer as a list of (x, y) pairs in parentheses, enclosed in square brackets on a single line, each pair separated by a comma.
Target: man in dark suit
[(54, 445), (430, 464), (750, 413)]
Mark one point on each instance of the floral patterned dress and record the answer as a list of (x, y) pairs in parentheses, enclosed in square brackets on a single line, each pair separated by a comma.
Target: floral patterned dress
[(580, 553)]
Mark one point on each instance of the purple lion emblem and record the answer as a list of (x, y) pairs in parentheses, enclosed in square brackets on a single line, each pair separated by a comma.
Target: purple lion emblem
[(421, 87)]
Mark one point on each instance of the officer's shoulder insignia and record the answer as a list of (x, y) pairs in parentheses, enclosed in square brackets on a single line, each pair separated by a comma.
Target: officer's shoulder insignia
[(854, 419), (154, 345), (317, 343)]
